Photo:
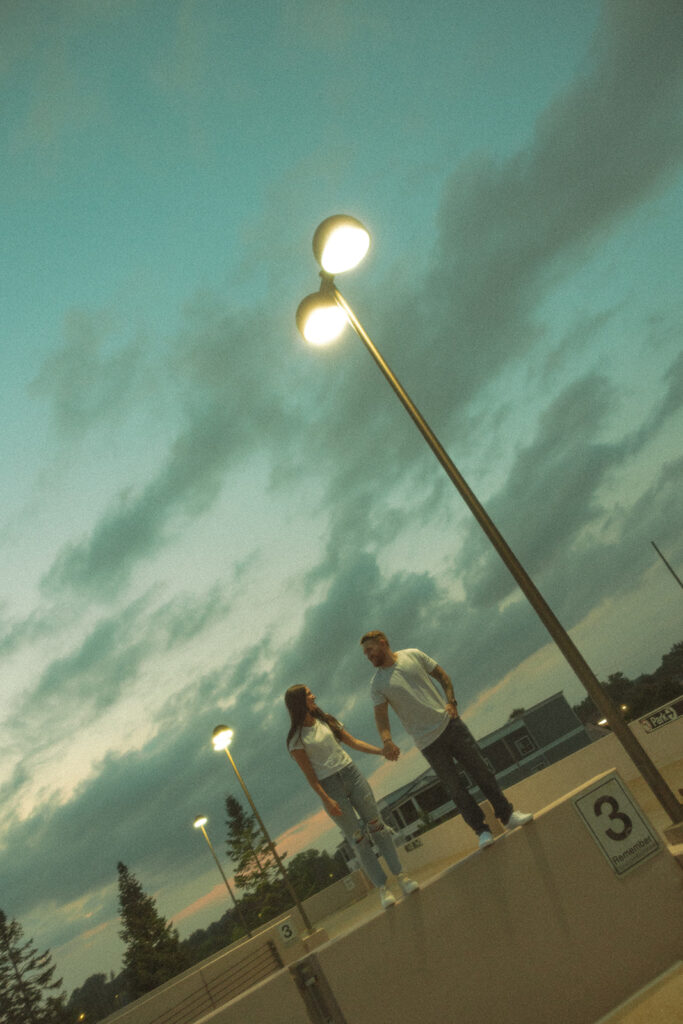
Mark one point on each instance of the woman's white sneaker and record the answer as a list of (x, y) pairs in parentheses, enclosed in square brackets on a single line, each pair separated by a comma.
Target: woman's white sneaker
[(386, 898), (407, 884)]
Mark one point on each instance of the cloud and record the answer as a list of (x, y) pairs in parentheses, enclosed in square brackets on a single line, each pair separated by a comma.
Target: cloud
[(231, 409), (549, 494), (105, 661), (137, 526), (86, 381), (108, 662), (24, 632), (672, 401), (509, 229), (111, 817), (59, 103), (186, 616)]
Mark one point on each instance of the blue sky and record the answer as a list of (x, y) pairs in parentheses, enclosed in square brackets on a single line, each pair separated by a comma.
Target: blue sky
[(199, 510)]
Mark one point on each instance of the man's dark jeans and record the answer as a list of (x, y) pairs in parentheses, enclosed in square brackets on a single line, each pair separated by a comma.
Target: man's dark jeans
[(456, 743)]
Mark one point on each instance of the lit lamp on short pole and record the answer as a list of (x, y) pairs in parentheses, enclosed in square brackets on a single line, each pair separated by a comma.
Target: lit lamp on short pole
[(339, 244), (200, 822), (221, 740)]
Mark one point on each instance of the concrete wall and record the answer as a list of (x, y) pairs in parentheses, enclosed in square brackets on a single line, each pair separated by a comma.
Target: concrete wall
[(342, 893), (199, 989), (276, 1001), (207, 985), (536, 928)]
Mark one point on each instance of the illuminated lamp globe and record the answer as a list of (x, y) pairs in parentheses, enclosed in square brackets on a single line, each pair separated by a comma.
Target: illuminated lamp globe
[(319, 319), (200, 821), (340, 243), (221, 737)]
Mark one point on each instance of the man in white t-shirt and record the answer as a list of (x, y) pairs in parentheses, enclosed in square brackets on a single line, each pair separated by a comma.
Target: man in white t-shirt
[(403, 681)]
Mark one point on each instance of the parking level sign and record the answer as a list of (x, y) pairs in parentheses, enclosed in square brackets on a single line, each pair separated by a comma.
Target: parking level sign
[(617, 824), (287, 931)]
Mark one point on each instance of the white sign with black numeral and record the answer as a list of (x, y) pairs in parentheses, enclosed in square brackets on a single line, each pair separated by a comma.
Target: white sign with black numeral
[(617, 824), (287, 931)]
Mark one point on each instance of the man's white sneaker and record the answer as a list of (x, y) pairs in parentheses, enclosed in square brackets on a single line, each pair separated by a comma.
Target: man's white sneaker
[(407, 884), (385, 897), (516, 819), (485, 839)]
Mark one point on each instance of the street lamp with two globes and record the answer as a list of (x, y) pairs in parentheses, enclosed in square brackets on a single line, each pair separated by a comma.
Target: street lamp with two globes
[(339, 244)]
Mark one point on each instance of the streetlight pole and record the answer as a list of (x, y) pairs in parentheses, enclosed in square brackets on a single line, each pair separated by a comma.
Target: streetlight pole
[(221, 739), (328, 294), (200, 822)]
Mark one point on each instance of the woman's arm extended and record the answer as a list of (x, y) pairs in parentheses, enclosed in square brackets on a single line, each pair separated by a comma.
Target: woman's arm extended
[(360, 745), (304, 762)]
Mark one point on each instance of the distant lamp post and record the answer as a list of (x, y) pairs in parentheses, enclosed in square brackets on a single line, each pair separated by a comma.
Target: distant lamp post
[(320, 323), (200, 822), (221, 739)]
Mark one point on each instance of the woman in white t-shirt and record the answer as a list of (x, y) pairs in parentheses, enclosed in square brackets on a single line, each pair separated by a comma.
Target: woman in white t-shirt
[(314, 741)]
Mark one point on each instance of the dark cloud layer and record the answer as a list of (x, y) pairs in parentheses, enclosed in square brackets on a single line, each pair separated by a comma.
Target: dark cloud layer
[(598, 151), (90, 380), (507, 232)]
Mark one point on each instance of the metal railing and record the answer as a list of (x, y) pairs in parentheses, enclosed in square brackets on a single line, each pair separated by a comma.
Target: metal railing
[(237, 977)]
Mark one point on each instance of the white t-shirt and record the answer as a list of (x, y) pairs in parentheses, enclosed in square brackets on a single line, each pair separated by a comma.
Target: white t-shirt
[(413, 695), (325, 753)]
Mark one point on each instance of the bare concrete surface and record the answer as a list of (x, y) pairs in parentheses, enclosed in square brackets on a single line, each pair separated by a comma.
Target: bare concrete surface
[(660, 1002)]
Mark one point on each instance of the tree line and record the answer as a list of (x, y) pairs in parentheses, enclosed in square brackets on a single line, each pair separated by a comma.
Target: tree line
[(154, 953), (636, 697)]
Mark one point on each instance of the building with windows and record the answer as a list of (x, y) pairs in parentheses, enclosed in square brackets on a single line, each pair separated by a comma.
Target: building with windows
[(528, 743)]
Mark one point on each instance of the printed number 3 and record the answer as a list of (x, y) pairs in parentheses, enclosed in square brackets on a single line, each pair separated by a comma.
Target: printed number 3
[(286, 930), (614, 815)]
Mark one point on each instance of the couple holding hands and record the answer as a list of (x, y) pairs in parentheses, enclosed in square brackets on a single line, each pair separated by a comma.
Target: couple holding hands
[(403, 681)]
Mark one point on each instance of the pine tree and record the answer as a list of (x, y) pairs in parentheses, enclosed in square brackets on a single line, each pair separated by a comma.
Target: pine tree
[(153, 953), (29, 994), (256, 868)]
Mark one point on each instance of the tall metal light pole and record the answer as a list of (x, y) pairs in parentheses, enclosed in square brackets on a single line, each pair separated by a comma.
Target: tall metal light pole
[(221, 740), (200, 822), (339, 244)]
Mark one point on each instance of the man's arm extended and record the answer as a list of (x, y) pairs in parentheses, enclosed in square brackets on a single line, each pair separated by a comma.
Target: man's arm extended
[(444, 681), (391, 751)]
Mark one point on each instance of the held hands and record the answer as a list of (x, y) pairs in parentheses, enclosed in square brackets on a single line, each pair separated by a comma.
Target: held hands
[(452, 709), (390, 750)]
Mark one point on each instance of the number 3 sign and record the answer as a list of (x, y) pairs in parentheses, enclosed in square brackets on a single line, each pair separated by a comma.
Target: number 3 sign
[(617, 824), (287, 931)]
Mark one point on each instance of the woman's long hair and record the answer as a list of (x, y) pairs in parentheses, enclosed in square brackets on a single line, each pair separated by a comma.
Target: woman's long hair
[(295, 700)]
